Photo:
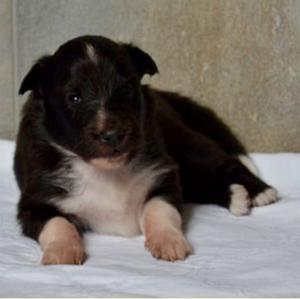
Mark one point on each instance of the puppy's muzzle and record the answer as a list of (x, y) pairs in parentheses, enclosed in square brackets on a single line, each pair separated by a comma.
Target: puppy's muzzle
[(113, 137)]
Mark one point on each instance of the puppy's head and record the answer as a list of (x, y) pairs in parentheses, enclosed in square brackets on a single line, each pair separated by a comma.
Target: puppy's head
[(92, 98)]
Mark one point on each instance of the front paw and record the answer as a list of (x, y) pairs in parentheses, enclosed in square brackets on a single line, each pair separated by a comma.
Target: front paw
[(59, 253), (168, 244)]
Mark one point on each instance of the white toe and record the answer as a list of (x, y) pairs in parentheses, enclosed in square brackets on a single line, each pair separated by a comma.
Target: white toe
[(265, 198), (239, 200)]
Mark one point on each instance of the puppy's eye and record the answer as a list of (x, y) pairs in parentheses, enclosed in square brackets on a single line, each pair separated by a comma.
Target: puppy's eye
[(74, 98)]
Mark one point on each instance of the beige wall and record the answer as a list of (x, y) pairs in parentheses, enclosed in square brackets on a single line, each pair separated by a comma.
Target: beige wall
[(239, 57), (6, 71)]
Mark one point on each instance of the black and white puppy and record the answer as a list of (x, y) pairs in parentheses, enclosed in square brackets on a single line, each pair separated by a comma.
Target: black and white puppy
[(96, 150)]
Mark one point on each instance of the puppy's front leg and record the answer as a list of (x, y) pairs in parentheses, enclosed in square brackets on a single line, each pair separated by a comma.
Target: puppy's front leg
[(61, 243), (161, 225)]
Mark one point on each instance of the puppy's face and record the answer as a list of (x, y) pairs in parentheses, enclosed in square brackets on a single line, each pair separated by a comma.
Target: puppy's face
[(92, 96)]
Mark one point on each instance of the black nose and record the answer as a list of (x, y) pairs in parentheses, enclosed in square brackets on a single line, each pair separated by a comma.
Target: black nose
[(112, 137)]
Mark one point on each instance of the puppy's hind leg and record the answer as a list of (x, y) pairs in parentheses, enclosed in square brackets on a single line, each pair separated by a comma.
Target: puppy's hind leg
[(214, 177), (247, 189)]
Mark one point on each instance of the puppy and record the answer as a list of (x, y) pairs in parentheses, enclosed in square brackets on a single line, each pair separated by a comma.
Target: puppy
[(96, 150)]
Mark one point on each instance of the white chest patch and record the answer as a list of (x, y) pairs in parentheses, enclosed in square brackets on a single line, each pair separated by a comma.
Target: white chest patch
[(110, 201)]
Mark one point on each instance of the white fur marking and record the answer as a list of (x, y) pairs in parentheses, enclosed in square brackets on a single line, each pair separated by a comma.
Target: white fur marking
[(90, 50), (159, 211), (264, 198), (110, 201), (239, 200), (107, 164), (161, 224), (247, 161), (61, 243)]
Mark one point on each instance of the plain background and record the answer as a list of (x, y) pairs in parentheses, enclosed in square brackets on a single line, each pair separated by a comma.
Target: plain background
[(239, 57)]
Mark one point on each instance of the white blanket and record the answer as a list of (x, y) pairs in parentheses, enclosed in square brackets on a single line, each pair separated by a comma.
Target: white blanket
[(253, 256)]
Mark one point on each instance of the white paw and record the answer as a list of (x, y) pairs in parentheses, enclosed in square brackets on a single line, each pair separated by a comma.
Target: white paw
[(168, 244), (240, 203), (59, 253), (265, 198)]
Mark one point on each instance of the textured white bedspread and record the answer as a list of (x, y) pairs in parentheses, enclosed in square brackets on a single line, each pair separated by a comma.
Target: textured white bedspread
[(253, 256)]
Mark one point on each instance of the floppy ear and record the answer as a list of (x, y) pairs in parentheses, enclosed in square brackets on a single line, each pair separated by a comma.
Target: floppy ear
[(33, 78), (142, 61)]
